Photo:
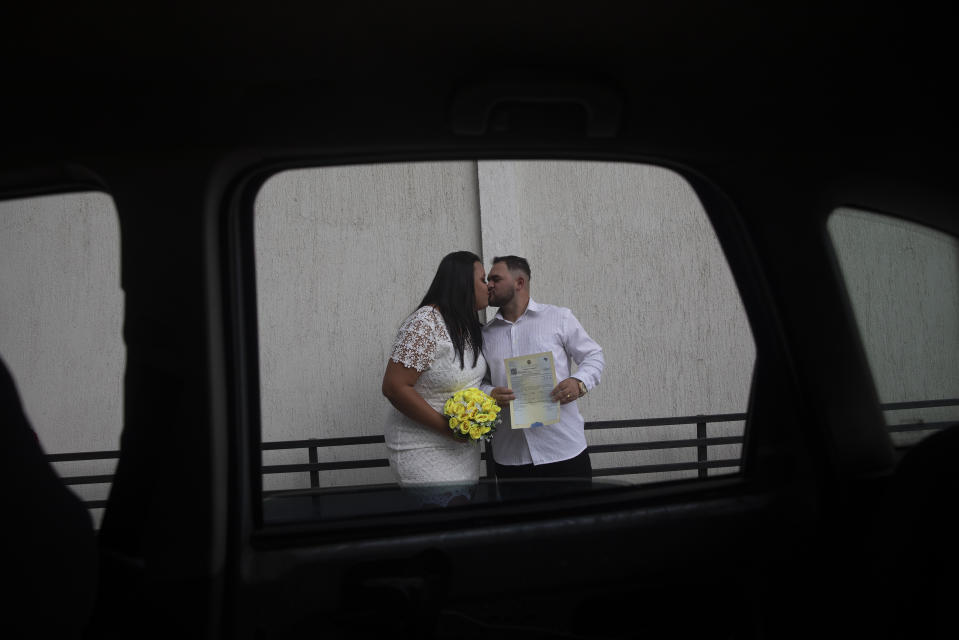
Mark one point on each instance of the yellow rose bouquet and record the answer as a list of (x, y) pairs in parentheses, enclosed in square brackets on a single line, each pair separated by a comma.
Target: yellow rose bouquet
[(473, 415)]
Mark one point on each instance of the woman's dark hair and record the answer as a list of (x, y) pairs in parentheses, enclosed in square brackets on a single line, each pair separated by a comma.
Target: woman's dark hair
[(454, 294)]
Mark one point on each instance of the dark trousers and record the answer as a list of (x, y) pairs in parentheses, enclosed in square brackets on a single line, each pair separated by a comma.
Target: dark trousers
[(542, 480)]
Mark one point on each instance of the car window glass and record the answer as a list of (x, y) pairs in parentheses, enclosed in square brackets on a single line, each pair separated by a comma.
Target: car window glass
[(903, 282), (344, 254), (61, 311)]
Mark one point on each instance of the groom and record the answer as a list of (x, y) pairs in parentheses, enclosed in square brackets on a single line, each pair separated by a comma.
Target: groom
[(523, 326)]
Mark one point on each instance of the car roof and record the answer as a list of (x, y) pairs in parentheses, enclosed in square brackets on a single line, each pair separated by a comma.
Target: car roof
[(695, 79)]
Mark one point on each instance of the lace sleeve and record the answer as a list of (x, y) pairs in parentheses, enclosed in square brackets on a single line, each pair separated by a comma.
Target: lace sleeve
[(415, 344)]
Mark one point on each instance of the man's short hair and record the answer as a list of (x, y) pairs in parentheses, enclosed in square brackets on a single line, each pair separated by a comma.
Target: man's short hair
[(514, 263)]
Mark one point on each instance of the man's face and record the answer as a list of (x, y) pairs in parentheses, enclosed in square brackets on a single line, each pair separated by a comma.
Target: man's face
[(502, 287)]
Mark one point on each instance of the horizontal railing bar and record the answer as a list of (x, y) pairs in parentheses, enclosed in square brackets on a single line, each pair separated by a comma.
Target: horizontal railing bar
[(95, 504), (102, 479), (364, 464), (922, 426), (326, 466), (322, 442), (919, 404), (333, 489), (83, 455), (602, 424), (675, 466), (665, 444), (665, 422)]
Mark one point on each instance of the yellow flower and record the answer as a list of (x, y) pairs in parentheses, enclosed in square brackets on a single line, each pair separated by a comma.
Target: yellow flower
[(472, 413)]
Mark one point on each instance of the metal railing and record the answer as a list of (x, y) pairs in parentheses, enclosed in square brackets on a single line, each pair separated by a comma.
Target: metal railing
[(700, 443), (94, 479)]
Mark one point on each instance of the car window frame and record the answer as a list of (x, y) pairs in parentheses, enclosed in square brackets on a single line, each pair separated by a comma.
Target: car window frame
[(244, 367)]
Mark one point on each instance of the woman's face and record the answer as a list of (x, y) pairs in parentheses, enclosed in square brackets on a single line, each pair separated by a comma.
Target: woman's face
[(479, 283)]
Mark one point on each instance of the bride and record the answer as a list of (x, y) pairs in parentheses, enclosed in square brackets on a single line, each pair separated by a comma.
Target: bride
[(438, 351)]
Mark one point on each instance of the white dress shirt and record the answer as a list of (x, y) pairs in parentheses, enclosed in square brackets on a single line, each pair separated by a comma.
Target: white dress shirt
[(542, 327)]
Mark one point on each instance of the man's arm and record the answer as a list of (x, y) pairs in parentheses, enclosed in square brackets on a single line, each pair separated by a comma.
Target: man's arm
[(586, 352)]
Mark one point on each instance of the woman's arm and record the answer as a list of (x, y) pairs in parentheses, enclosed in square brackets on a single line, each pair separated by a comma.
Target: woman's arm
[(398, 388)]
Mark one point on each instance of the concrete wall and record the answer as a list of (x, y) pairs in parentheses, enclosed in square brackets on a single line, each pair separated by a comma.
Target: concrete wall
[(61, 315), (903, 282), (344, 254), (630, 250)]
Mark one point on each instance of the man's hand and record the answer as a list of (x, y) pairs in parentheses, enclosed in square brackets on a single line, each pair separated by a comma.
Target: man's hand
[(502, 395), (566, 391)]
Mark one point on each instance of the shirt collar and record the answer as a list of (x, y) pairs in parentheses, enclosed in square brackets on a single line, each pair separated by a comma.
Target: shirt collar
[(532, 307)]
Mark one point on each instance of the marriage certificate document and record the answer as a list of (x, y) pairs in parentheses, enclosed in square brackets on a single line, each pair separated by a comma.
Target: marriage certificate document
[(531, 378)]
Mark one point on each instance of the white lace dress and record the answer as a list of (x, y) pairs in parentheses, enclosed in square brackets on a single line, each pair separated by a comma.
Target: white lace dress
[(420, 457)]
